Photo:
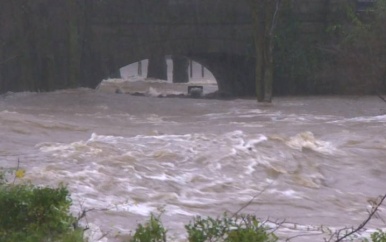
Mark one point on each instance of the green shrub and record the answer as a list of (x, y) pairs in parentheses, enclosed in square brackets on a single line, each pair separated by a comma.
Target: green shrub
[(152, 231), (35, 214), (244, 228), (378, 236), (2, 178), (250, 230), (4, 174), (208, 229)]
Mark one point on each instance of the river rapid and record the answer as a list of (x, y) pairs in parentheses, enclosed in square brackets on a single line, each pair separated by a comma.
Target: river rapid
[(315, 160)]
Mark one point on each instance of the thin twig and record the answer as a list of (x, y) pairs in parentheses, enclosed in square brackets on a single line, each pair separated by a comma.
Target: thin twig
[(250, 201), (301, 235), (83, 214), (363, 224), (274, 18), (17, 168), (381, 97), (278, 225)]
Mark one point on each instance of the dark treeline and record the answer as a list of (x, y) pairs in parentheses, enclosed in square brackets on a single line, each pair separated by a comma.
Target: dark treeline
[(347, 55), (43, 45), (47, 45)]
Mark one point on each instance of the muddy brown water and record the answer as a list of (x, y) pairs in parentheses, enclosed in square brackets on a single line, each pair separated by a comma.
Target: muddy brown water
[(320, 160)]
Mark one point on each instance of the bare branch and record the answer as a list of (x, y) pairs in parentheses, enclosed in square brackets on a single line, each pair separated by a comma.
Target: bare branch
[(302, 235), (17, 168), (274, 18), (361, 226), (381, 97), (278, 223), (250, 201)]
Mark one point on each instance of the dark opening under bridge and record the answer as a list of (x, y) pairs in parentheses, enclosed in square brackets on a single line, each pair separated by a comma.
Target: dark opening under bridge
[(47, 45)]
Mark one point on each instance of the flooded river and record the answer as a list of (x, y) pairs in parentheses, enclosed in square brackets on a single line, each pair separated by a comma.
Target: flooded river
[(319, 160)]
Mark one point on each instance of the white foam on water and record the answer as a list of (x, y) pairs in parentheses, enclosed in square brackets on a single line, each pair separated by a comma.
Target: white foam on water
[(109, 139), (363, 119), (138, 174), (94, 233), (6, 113), (68, 150), (250, 143), (307, 140), (133, 78), (153, 92), (171, 210), (287, 193), (240, 149), (152, 87), (137, 208)]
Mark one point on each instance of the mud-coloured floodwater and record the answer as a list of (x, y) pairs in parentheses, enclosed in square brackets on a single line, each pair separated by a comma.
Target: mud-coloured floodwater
[(319, 160)]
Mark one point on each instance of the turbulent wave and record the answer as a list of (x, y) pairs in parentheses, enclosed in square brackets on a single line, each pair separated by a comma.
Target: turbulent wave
[(152, 87), (136, 155)]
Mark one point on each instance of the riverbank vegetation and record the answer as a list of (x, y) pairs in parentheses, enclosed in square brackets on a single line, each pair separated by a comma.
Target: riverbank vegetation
[(30, 213), (358, 41), (344, 54)]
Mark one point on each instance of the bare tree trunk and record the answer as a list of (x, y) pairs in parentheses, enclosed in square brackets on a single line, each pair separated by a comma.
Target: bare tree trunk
[(259, 47), (272, 10), (265, 13), (74, 45)]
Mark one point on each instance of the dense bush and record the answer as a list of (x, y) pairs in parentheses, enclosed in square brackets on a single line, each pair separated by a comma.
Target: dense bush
[(360, 48), (378, 236), (152, 231), (243, 228), (41, 214), (36, 214)]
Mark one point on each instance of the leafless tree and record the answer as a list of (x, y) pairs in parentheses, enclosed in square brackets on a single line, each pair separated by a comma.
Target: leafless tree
[(265, 14)]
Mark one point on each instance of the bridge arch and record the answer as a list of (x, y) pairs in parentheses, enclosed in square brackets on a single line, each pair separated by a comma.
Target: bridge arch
[(139, 70), (47, 45), (230, 62)]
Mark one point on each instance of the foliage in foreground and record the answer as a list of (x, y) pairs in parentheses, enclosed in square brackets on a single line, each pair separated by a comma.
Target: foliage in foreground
[(240, 228), (152, 231), (36, 214), (378, 236), (243, 228)]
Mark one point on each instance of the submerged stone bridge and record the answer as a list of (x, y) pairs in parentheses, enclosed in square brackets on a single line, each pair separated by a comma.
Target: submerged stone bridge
[(47, 45)]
